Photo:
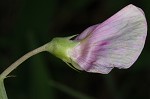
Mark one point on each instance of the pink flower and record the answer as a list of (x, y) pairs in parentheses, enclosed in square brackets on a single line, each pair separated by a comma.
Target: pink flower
[(117, 42)]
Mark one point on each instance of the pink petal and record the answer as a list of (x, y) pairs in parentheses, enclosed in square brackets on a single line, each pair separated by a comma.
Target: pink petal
[(117, 42), (86, 32)]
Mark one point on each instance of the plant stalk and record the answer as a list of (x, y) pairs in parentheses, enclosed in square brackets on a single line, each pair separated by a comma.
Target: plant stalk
[(3, 94), (21, 60), (5, 73)]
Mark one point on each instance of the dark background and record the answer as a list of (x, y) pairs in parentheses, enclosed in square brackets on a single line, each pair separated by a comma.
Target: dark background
[(28, 24)]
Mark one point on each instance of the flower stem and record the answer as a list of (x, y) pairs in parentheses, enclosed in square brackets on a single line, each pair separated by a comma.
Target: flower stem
[(21, 60), (3, 94)]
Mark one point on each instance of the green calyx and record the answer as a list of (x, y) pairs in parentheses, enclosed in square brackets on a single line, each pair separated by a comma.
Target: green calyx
[(60, 46)]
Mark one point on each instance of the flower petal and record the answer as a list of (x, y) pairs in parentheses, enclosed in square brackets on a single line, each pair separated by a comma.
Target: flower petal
[(86, 32), (117, 42)]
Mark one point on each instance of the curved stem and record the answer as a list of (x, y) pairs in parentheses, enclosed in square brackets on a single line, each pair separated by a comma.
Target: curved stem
[(21, 60)]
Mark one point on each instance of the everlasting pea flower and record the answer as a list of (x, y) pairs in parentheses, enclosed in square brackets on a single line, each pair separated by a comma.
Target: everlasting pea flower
[(117, 42)]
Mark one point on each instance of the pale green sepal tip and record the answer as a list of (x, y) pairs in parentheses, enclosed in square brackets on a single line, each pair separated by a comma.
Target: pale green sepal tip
[(72, 66), (71, 36)]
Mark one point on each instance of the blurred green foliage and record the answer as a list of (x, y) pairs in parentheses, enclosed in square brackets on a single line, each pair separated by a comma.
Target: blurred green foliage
[(28, 24)]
